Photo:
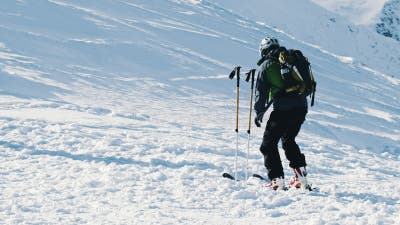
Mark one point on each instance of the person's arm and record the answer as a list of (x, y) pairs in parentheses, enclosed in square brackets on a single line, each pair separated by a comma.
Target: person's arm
[(261, 91)]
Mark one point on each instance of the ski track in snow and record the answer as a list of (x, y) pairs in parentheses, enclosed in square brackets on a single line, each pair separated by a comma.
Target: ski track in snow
[(90, 139)]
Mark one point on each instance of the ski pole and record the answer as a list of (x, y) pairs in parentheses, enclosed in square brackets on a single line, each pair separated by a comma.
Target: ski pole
[(249, 74), (236, 72)]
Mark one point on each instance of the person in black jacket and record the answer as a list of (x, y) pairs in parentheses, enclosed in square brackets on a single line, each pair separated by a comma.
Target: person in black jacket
[(284, 123)]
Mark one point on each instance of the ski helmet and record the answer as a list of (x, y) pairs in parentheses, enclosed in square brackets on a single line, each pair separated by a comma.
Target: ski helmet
[(266, 43)]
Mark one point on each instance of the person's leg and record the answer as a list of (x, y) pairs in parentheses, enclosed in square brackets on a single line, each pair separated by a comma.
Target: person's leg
[(269, 147), (292, 150)]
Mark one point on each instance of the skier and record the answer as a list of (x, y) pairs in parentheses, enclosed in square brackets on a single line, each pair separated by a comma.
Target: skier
[(284, 123)]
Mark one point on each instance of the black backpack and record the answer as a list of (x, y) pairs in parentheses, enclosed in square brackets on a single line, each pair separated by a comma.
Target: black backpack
[(297, 74)]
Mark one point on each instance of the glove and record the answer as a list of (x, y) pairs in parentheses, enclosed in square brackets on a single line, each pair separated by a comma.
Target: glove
[(258, 119), (256, 122)]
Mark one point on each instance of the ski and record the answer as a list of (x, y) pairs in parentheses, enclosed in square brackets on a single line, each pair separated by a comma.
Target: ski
[(287, 187), (264, 179), (260, 177), (227, 175), (311, 188)]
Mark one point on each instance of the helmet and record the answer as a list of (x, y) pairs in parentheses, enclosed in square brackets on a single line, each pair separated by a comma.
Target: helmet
[(266, 43)]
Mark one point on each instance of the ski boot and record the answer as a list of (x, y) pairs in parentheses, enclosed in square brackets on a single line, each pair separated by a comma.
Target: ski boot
[(299, 180), (277, 183)]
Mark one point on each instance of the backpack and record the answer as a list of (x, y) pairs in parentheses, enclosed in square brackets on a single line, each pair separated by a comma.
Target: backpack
[(296, 73)]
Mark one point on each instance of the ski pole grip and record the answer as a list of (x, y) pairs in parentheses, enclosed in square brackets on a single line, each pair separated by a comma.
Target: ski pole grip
[(236, 72), (232, 74), (253, 71), (237, 76)]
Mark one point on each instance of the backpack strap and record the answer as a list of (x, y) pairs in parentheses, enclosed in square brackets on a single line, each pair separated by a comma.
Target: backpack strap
[(314, 87)]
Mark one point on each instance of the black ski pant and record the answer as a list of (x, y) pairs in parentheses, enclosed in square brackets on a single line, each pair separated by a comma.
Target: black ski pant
[(282, 125)]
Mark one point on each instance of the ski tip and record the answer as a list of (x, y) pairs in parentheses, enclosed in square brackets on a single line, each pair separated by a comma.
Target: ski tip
[(227, 175), (259, 177)]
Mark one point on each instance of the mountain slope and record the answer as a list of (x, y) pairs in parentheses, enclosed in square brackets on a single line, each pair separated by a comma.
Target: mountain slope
[(331, 32), (120, 112), (390, 20), (361, 12)]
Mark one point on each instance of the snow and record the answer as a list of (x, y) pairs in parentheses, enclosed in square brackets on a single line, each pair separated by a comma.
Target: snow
[(121, 112), (332, 33), (363, 12)]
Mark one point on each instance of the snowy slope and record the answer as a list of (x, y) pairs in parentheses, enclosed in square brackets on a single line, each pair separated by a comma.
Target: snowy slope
[(358, 44), (120, 112), (362, 12), (382, 15)]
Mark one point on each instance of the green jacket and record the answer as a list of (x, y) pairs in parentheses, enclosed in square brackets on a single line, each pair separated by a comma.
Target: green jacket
[(274, 80)]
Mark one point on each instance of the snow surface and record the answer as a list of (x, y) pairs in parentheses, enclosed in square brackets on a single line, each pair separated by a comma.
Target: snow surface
[(363, 12), (120, 112), (322, 29)]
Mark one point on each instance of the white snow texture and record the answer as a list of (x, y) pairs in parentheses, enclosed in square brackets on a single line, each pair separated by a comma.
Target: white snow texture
[(121, 112)]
